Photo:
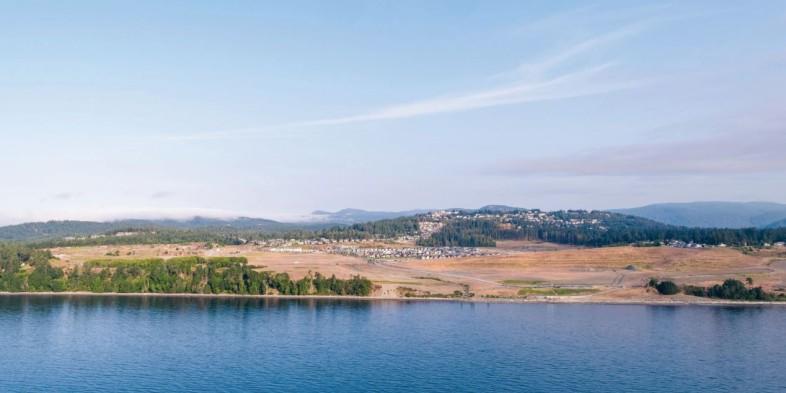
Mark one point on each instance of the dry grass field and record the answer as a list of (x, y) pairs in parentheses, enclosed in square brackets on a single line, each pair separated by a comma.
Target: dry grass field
[(611, 269), (523, 269)]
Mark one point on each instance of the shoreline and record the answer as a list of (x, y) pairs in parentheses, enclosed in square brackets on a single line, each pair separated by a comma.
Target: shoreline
[(552, 300)]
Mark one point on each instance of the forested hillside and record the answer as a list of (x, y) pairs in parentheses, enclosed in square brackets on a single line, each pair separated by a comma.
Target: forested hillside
[(58, 229), (54, 229), (382, 229), (578, 227), (468, 228)]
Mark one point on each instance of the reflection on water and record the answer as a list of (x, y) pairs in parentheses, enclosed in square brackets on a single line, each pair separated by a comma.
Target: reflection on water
[(148, 343)]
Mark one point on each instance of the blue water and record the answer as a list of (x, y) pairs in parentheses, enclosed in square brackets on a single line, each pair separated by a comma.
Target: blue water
[(134, 344)]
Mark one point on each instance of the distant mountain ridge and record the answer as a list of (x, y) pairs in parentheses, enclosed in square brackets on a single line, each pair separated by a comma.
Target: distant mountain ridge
[(696, 214), (351, 216), (714, 214), (49, 230), (497, 208), (58, 229), (356, 216), (34, 231), (777, 224)]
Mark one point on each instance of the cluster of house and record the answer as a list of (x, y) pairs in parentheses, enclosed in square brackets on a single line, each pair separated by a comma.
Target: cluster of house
[(292, 250), (409, 252), (101, 235), (682, 244), (72, 238), (428, 228), (434, 221), (283, 243)]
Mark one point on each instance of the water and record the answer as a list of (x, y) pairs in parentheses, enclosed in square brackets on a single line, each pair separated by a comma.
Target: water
[(131, 344)]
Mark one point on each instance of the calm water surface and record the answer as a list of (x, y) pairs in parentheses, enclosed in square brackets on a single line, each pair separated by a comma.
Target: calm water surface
[(132, 344)]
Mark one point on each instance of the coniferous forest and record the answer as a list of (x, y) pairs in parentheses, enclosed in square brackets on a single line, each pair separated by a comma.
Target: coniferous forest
[(605, 229)]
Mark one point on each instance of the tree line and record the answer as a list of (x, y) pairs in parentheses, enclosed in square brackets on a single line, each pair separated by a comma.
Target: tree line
[(730, 289), (24, 269), (405, 226)]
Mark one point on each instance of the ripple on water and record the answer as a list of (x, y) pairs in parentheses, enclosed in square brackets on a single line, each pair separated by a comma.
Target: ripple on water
[(134, 344)]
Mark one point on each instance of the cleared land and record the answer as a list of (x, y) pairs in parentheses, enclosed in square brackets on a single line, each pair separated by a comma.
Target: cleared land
[(523, 270)]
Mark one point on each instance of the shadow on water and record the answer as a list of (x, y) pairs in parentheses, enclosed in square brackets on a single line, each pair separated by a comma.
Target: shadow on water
[(45, 304)]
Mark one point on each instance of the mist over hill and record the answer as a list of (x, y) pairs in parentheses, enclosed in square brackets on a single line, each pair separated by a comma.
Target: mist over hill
[(714, 214), (56, 229), (355, 216)]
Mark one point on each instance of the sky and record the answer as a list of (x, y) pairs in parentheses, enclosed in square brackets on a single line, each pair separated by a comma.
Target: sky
[(117, 109)]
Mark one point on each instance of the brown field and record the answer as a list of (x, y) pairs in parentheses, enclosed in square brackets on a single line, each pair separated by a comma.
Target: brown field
[(598, 274)]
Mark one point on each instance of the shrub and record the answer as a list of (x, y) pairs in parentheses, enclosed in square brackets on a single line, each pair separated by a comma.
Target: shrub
[(694, 290), (731, 289), (667, 288)]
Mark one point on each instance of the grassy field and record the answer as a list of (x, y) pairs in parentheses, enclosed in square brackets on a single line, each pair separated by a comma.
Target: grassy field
[(521, 283), (556, 291), (611, 272)]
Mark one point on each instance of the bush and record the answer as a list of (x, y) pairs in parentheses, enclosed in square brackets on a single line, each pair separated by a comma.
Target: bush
[(667, 288), (734, 290), (730, 289), (694, 290)]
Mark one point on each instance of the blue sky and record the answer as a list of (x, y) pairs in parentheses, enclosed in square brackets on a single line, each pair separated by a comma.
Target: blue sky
[(148, 108)]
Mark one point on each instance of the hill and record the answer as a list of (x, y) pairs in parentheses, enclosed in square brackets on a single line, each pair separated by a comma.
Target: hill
[(777, 224), (53, 229), (58, 229), (496, 209), (356, 216), (713, 214), (454, 227), (577, 227)]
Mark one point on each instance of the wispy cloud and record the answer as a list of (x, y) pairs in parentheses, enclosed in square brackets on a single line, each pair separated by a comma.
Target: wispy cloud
[(752, 150), (568, 85), (549, 78), (538, 69), (531, 82)]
